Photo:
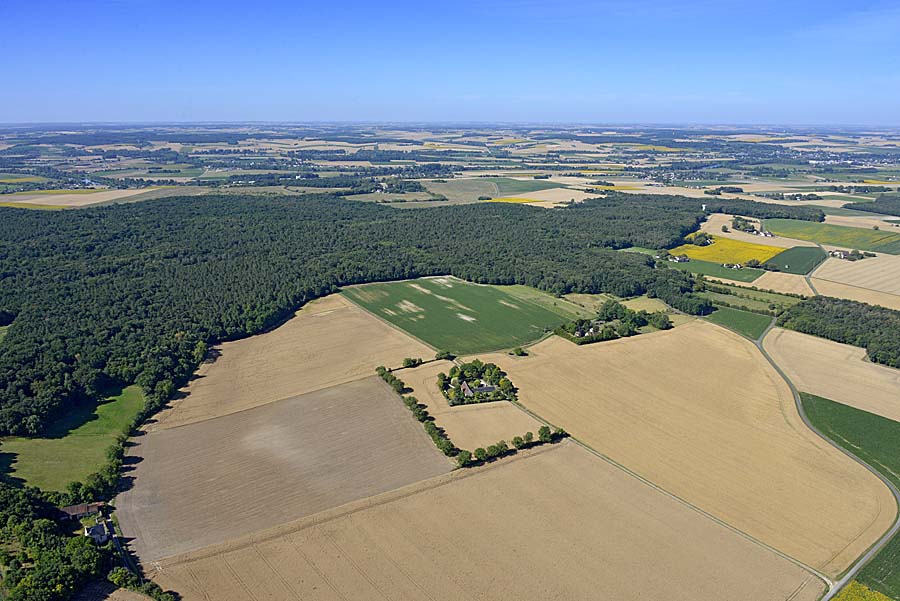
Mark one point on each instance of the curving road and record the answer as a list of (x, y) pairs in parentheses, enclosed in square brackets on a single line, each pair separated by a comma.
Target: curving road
[(834, 587)]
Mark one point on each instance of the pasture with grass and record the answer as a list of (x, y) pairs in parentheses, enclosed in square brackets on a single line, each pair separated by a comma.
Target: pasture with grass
[(751, 325), (458, 316), (875, 440), (74, 447), (716, 270), (837, 235)]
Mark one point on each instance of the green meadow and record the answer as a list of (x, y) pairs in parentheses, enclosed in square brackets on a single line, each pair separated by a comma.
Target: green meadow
[(461, 317), (837, 235), (74, 447)]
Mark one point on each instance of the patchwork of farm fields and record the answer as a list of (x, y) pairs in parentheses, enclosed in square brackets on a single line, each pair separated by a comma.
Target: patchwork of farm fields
[(497, 533), (837, 235), (733, 445), (212, 481), (458, 316), (727, 250)]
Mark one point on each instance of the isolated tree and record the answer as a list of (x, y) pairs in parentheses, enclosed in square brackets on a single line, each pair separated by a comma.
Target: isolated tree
[(544, 434)]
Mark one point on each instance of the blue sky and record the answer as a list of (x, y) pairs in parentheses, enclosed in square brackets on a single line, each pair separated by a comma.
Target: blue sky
[(704, 61)]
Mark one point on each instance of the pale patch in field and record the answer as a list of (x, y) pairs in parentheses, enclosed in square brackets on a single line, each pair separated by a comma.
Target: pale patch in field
[(466, 317), (509, 304), (329, 341), (212, 481), (408, 306), (419, 287), (552, 523), (445, 282), (699, 411), (390, 312), (838, 372)]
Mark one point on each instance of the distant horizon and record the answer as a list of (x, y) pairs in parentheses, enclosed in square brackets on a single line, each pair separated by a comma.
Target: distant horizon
[(811, 63)]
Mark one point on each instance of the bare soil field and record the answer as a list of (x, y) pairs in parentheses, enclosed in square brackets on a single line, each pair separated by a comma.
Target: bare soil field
[(468, 426), (787, 283), (698, 411), (863, 295), (550, 524), (713, 225), (839, 372), (881, 273), (329, 341), (209, 482), (74, 200)]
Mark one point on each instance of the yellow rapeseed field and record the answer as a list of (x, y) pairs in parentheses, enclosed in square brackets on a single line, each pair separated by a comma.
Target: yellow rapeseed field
[(726, 250), (860, 592)]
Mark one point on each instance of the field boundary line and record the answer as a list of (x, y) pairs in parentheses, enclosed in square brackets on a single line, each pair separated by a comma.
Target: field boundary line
[(850, 573), (334, 513), (811, 570)]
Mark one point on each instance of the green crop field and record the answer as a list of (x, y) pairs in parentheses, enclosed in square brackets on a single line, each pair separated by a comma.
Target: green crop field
[(458, 316), (3, 332), (799, 260), (715, 270), (559, 306), (470, 189), (837, 235), (751, 325), (20, 178), (875, 440), (640, 250), (74, 447)]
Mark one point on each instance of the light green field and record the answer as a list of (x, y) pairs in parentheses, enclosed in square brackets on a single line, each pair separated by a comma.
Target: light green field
[(557, 305), (458, 316), (3, 330), (837, 235), (20, 178), (469, 190), (715, 270), (75, 447)]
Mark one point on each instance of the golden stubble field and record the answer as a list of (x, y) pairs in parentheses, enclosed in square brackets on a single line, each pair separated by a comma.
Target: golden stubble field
[(329, 341), (555, 523), (468, 426), (874, 280), (839, 372), (777, 281), (698, 411), (215, 480)]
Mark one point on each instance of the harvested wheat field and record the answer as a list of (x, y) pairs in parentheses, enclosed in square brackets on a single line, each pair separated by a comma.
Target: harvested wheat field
[(468, 426), (863, 222), (212, 481), (329, 341), (839, 372), (698, 411), (881, 273), (715, 221), (553, 523), (863, 295), (106, 591), (66, 198), (786, 283)]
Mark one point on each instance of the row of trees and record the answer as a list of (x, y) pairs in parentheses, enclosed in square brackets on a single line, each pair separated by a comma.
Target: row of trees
[(875, 329)]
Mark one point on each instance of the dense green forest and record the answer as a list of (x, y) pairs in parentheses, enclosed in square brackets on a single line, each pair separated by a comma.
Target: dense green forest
[(133, 293), (875, 329)]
